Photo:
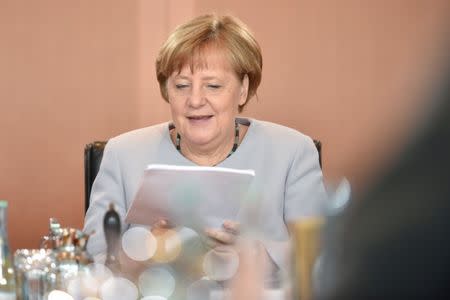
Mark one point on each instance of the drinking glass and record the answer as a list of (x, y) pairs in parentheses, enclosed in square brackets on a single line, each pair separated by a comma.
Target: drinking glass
[(35, 271)]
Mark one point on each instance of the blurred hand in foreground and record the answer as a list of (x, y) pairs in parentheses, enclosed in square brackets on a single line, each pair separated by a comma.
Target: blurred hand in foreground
[(248, 284)]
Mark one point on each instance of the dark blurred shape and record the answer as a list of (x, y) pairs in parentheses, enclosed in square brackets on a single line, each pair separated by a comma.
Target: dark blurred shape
[(394, 243), (318, 145), (93, 154), (111, 228)]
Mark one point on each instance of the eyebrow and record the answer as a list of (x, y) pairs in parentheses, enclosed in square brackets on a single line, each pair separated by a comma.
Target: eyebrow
[(203, 78), (210, 77), (180, 77)]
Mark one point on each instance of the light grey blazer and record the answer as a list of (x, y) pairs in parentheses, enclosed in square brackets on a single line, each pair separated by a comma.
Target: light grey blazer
[(288, 183)]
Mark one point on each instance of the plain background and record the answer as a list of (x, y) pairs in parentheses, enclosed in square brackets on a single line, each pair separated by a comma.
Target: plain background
[(350, 73)]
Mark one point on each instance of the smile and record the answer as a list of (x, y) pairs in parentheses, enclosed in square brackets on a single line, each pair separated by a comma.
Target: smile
[(199, 118)]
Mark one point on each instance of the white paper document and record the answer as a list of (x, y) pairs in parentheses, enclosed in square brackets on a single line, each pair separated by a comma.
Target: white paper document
[(189, 196)]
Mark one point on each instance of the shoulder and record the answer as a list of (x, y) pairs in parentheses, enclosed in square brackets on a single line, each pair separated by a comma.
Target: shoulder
[(138, 138), (280, 135)]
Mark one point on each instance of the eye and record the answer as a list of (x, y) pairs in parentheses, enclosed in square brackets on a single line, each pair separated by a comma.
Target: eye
[(214, 86), (181, 86)]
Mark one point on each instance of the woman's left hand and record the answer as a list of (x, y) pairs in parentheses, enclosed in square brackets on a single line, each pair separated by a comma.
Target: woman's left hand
[(227, 235)]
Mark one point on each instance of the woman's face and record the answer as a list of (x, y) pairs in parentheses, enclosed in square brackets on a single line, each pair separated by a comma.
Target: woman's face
[(204, 102)]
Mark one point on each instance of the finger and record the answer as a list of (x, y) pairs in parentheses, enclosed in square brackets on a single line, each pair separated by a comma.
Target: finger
[(163, 223), (160, 224), (231, 226), (221, 236), (211, 243)]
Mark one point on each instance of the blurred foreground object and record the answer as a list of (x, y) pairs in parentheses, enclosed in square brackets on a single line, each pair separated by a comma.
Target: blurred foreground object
[(67, 248), (56, 265), (112, 230), (7, 282), (306, 249), (248, 284), (394, 243), (35, 273)]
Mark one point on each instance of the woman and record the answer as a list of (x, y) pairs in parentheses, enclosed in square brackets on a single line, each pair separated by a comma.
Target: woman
[(207, 70)]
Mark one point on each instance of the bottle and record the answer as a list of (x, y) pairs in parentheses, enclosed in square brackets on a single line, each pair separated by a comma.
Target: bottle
[(111, 228), (7, 281)]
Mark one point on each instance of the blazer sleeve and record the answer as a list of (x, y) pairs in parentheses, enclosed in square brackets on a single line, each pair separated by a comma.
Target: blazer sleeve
[(107, 188), (305, 194)]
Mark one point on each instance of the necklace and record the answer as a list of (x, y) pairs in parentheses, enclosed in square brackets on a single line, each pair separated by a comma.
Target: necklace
[(235, 145)]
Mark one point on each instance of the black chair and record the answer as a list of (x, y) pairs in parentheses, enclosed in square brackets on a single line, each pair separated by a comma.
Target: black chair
[(319, 150), (93, 154)]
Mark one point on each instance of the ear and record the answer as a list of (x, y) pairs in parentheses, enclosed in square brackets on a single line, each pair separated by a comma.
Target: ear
[(244, 91)]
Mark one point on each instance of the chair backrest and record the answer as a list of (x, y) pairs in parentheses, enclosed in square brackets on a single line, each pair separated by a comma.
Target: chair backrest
[(319, 150), (93, 154)]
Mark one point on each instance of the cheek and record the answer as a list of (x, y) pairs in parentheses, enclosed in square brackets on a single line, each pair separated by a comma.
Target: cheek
[(229, 101), (175, 106)]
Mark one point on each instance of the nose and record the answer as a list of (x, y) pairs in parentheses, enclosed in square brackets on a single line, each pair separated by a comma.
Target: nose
[(197, 98)]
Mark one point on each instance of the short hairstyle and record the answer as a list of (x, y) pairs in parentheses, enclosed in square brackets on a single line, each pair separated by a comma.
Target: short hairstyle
[(225, 33)]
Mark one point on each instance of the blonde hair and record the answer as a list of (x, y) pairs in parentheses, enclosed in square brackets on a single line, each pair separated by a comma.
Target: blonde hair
[(226, 33)]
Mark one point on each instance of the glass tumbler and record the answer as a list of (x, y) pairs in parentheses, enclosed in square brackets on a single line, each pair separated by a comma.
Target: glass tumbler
[(35, 271)]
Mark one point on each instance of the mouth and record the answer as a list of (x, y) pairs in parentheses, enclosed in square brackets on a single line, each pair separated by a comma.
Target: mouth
[(199, 118)]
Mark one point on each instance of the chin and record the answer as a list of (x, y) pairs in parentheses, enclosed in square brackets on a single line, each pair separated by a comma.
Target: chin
[(200, 140)]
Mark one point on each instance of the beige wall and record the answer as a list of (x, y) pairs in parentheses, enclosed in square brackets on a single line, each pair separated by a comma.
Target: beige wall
[(345, 72)]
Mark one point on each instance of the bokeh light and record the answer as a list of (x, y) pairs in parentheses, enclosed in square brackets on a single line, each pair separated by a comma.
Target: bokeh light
[(157, 281), (59, 295), (93, 277), (190, 240), (139, 244), (118, 288), (88, 281), (341, 197), (202, 290), (187, 234), (221, 263), (76, 289)]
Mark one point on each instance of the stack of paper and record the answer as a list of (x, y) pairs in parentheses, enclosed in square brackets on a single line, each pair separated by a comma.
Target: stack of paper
[(189, 196)]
